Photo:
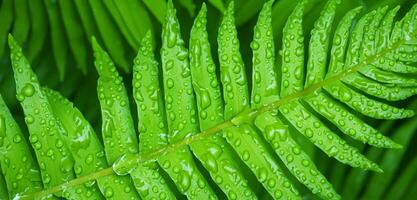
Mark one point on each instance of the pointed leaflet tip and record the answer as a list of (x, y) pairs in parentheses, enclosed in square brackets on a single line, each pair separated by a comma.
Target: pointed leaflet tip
[(97, 52), (12, 42), (10, 39), (148, 34), (103, 63), (95, 45), (146, 42), (396, 8), (170, 5), (396, 146), (374, 167), (230, 8), (357, 9), (300, 6), (377, 169), (203, 10), (201, 16), (408, 113), (170, 10), (266, 9), (269, 3), (15, 52), (228, 16)]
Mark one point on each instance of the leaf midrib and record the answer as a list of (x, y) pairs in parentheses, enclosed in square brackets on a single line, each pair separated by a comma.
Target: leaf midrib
[(238, 119)]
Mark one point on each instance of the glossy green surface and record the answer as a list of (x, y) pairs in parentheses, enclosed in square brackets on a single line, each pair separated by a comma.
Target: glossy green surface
[(232, 106)]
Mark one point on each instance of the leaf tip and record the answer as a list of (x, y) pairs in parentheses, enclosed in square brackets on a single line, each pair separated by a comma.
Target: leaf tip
[(378, 170), (170, 9), (396, 146), (94, 43), (147, 35), (146, 42), (12, 41), (396, 8), (357, 9), (230, 8), (409, 113), (374, 167), (269, 3), (202, 14), (203, 9)]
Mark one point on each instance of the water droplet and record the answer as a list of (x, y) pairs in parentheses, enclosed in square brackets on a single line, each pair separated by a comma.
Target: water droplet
[(108, 193), (345, 95), (211, 163), (29, 119), (28, 90), (204, 99), (218, 180), (89, 159), (66, 164), (16, 138), (232, 195), (108, 126), (255, 45), (245, 156), (296, 150), (184, 181), (286, 83), (257, 98), (305, 163), (172, 38), (20, 97), (170, 83), (169, 64), (262, 174), (337, 39), (271, 183)]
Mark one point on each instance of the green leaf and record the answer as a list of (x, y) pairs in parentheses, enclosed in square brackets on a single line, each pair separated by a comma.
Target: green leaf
[(406, 178), (240, 130), (39, 31), (86, 148), (3, 188), (21, 26), (152, 124), (296, 160), (208, 98), (6, 19), (16, 160), (75, 34), (87, 18), (44, 129), (59, 45), (180, 110), (108, 33), (157, 8)]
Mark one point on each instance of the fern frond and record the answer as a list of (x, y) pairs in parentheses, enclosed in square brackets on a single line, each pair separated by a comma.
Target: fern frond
[(236, 143)]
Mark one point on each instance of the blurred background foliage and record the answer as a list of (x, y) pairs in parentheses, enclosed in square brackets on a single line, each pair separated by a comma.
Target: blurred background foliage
[(55, 35)]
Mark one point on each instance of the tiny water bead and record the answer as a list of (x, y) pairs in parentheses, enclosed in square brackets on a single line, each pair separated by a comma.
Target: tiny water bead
[(28, 90)]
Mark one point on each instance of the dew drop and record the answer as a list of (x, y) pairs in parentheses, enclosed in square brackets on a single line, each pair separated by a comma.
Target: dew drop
[(16, 138), (28, 90), (245, 155), (184, 181), (205, 99), (29, 119), (108, 193), (255, 45)]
